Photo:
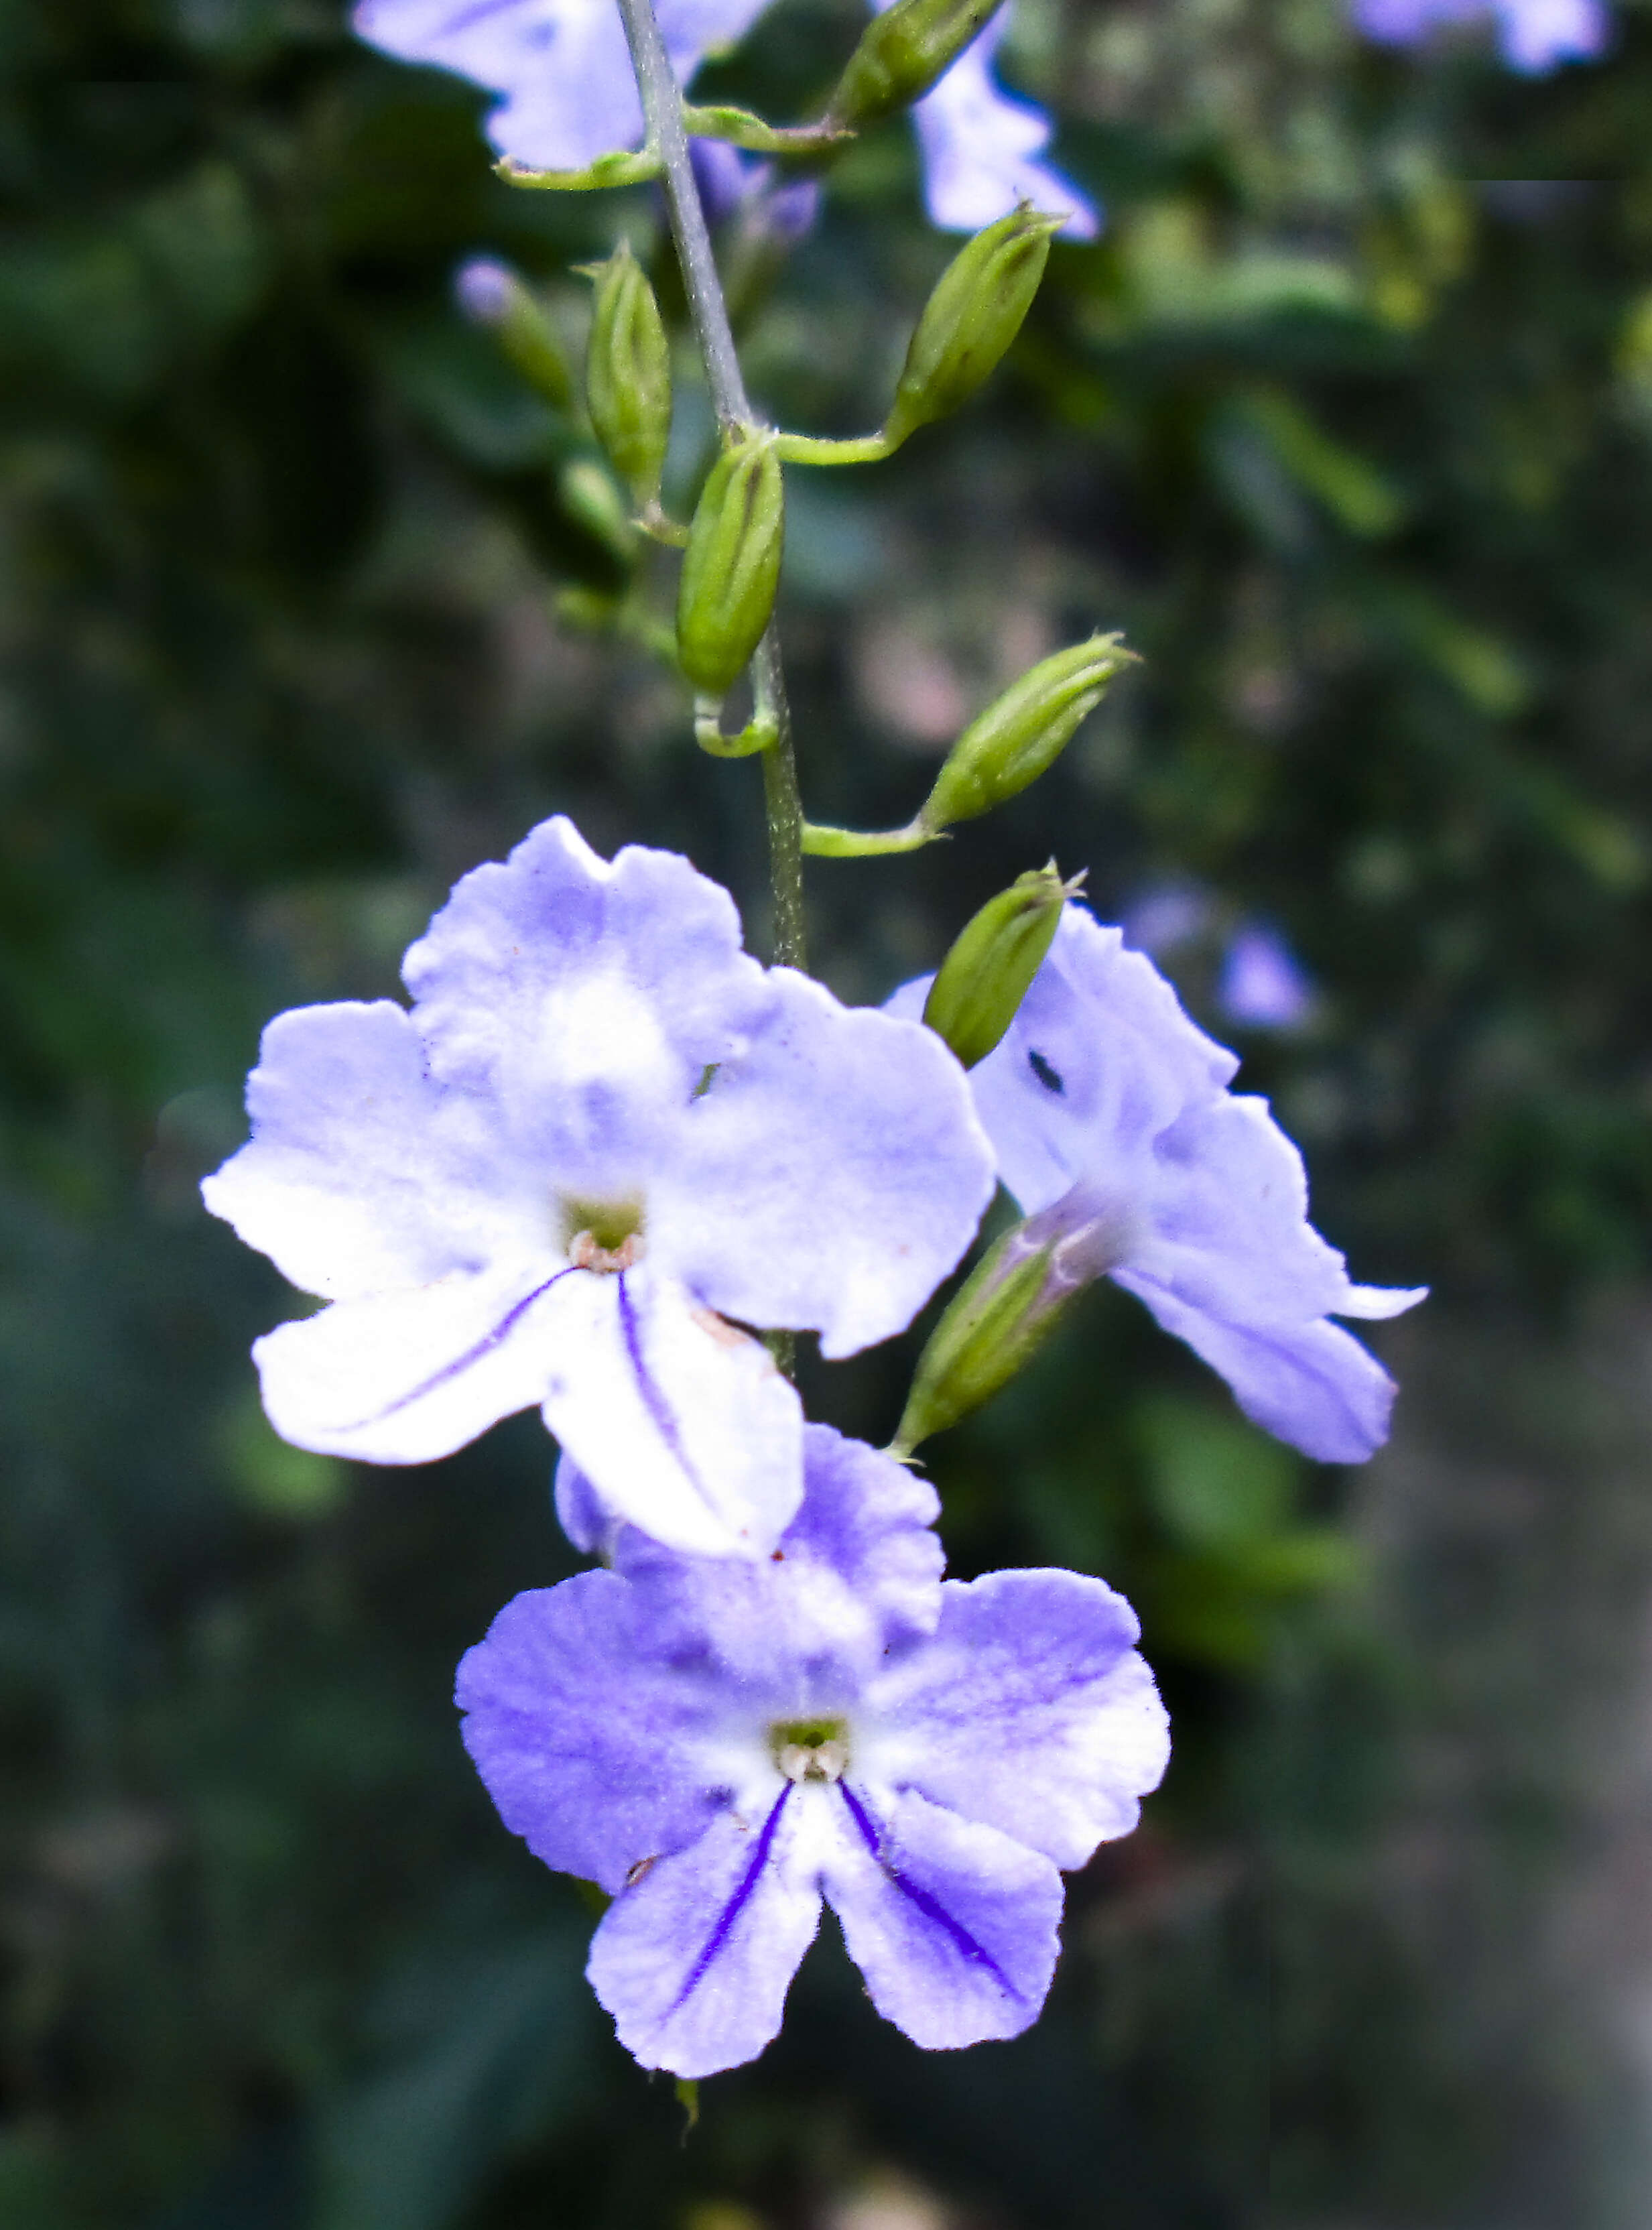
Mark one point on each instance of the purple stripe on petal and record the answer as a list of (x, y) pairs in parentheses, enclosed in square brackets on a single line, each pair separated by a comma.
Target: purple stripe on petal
[(486, 1345), (736, 1905), (653, 1401), (467, 17), (930, 1906)]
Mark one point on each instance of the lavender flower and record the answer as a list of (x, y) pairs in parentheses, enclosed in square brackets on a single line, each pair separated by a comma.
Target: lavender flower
[(1110, 1116), (1535, 35), (1262, 985), (602, 1131), (566, 95), (720, 1745)]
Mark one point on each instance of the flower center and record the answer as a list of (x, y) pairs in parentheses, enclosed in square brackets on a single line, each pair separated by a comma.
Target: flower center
[(601, 1235), (810, 1749)]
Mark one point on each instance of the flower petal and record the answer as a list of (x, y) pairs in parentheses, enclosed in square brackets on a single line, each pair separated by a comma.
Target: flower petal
[(358, 1176), (586, 1743), (980, 148), (954, 1926), (585, 1000), (1312, 1385), (1029, 1710), (402, 1378), (856, 1571), (1099, 1061), (682, 1424), (695, 1959), (830, 1177)]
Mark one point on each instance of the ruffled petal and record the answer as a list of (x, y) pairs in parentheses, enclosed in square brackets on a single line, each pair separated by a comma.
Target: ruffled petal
[(830, 1175), (585, 1000), (694, 1960), (1230, 1233), (856, 1573), (953, 1925), (588, 1745), (405, 1377), (1098, 1063), (358, 1176), (1031, 1711), (980, 149), (682, 1424), (1312, 1385)]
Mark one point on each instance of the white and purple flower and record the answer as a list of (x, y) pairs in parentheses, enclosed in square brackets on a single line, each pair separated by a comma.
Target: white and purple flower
[(603, 1132), (1111, 1118), (1535, 35), (722, 1745), (563, 73)]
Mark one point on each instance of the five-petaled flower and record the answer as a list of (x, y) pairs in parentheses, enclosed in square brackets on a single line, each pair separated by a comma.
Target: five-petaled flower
[(1110, 1115), (603, 1132), (720, 1744), (567, 94)]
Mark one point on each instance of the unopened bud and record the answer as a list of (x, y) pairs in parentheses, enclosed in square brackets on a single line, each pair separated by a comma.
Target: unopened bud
[(970, 319), (589, 497), (1007, 1308), (731, 566), (629, 372), (489, 293), (1021, 732), (982, 981), (901, 54)]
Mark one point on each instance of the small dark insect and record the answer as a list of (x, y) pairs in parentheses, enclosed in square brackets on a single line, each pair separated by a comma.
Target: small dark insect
[(777, 1555), (1047, 1076), (635, 1874)]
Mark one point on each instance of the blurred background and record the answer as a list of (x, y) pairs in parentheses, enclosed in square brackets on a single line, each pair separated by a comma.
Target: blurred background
[(308, 604)]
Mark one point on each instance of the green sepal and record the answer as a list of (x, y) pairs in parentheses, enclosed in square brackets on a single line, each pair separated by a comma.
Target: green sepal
[(901, 54), (993, 1326), (629, 372), (976, 312), (731, 567), (1021, 732), (980, 986)]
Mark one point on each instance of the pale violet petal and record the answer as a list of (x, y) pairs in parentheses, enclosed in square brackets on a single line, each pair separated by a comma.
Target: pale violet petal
[(1311, 1384), (404, 1377), (954, 1926), (590, 1746), (1539, 34), (585, 999), (682, 1424), (1378, 1301), (589, 1523), (830, 1175), (1031, 1711), (856, 1573), (356, 1177), (694, 1960), (980, 149)]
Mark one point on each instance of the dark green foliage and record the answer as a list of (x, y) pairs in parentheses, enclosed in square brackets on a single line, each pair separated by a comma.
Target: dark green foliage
[(1357, 452)]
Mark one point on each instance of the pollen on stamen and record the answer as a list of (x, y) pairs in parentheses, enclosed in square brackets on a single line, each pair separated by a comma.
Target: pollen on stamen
[(585, 1252)]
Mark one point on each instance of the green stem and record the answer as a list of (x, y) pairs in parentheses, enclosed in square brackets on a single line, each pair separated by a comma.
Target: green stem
[(662, 109), (821, 842), (816, 449)]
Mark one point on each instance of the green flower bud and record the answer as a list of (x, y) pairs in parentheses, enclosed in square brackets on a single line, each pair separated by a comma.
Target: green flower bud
[(984, 979), (1006, 1309), (489, 293), (1021, 732), (970, 319), (629, 372), (901, 54), (731, 566)]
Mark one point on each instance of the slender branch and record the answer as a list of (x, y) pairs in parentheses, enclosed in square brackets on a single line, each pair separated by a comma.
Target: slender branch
[(662, 109)]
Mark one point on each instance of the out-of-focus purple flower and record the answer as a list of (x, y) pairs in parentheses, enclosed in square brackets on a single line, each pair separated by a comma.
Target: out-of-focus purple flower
[(722, 1746), (736, 185), (1535, 35), (1262, 985), (483, 289), (1108, 1107), (563, 73), (1166, 915), (602, 1131)]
